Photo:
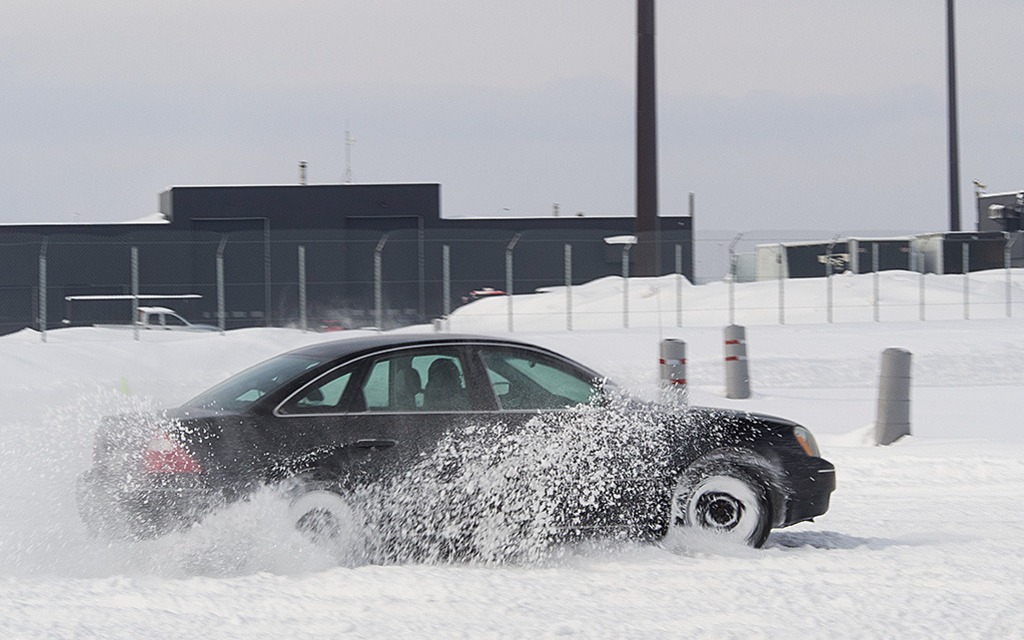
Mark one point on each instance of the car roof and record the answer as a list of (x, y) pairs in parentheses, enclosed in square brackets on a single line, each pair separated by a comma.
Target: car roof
[(355, 345)]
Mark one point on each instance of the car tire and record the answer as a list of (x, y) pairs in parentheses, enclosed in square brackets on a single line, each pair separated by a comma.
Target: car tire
[(324, 517), (722, 498)]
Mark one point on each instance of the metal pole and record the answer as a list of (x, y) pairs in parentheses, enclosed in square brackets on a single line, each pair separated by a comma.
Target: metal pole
[(42, 289), (135, 293), (874, 271), (509, 281), (568, 287), (679, 285), (966, 261), (378, 287), (302, 289), (828, 277), (221, 311), (954, 154)]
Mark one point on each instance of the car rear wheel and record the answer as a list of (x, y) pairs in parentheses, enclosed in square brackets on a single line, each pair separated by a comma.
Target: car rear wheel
[(324, 517), (722, 498)]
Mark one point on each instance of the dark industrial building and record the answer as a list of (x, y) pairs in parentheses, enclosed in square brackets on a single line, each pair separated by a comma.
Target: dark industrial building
[(343, 232)]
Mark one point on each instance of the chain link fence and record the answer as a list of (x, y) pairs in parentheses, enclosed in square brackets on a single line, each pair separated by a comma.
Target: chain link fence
[(359, 279)]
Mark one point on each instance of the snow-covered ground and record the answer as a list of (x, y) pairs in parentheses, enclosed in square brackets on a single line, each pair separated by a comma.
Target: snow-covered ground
[(923, 538)]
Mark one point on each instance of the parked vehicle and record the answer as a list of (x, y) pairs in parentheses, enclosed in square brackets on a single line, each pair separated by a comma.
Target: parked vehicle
[(334, 418), (479, 294), (166, 319)]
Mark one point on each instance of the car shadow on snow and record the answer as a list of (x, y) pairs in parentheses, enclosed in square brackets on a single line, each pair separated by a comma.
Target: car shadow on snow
[(827, 540)]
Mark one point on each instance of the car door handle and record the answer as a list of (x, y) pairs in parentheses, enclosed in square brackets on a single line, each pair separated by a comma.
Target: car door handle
[(371, 443)]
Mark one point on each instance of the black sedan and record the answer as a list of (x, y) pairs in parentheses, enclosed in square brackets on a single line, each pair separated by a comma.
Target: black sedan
[(452, 443)]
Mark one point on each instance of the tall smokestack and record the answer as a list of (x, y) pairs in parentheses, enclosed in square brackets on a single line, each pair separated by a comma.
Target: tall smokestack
[(647, 250), (954, 145)]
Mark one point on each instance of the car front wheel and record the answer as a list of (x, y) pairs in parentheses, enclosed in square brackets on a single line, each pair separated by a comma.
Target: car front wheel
[(724, 499)]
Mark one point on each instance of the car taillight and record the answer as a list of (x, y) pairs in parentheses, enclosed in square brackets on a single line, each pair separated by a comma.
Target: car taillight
[(164, 455)]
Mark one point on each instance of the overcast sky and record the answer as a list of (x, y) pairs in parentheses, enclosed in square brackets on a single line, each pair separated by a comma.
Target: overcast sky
[(778, 114)]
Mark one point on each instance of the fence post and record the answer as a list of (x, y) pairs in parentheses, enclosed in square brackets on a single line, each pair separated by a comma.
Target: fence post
[(303, 320), (782, 283), (625, 286), (42, 289), (446, 283), (221, 311), (672, 365), (568, 287), (875, 276), (1008, 263), (892, 420), (920, 284), (737, 372), (509, 282), (378, 285), (679, 285), (732, 277), (966, 262), (135, 293)]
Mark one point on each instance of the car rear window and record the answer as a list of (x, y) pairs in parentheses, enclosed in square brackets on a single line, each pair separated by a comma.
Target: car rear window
[(242, 390)]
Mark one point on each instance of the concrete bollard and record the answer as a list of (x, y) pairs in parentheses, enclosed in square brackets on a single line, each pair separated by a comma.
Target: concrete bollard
[(672, 365), (892, 421), (737, 373)]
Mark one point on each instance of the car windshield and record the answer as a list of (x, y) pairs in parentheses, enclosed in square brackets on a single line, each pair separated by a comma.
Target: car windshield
[(242, 390)]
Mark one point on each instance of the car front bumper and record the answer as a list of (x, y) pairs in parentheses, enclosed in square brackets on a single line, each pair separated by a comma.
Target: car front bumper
[(811, 483)]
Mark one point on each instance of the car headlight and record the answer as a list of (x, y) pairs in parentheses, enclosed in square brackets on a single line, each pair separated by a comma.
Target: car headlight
[(807, 441)]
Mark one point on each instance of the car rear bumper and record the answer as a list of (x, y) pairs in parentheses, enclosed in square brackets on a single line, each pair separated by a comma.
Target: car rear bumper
[(114, 507)]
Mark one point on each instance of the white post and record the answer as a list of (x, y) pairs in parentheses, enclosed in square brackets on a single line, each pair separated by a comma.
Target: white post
[(672, 370), (892, 420), (737, 372)]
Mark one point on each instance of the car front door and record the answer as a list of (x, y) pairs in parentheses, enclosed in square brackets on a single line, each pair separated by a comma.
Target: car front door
[(380, 415)]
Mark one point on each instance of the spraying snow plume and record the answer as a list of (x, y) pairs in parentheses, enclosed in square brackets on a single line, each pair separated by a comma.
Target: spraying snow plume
[(495, 494)]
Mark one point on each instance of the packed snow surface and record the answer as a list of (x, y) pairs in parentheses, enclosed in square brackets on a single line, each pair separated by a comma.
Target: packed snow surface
[(922, 539)]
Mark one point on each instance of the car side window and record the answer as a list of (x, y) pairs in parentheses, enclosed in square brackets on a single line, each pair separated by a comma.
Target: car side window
[(524, 380), (322, 396), (417, 381)]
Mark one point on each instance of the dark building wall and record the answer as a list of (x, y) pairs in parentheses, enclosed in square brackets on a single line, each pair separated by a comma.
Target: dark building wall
[(339, 226)]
